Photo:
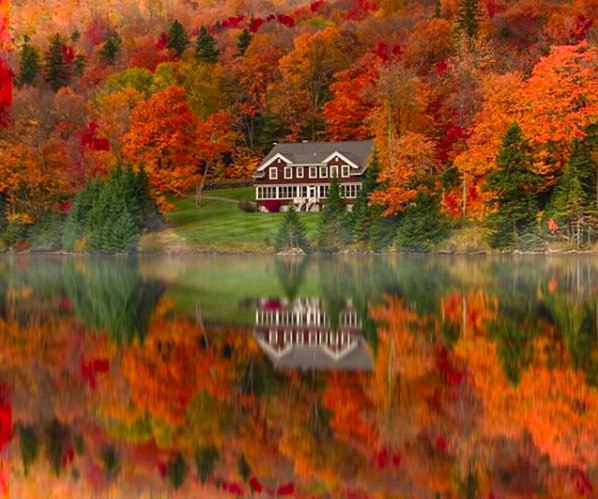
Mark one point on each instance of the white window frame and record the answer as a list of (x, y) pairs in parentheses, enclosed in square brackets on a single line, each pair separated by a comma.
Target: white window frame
[(345, 171), (273, 173), (313, 172), (299, 172), (323, 171), (288, 172), (333, 171)]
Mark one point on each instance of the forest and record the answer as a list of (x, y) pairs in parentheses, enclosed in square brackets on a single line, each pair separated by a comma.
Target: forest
[(484, 113)]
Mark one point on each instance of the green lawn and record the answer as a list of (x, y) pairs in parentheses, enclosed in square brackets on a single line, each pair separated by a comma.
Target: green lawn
[(220, 226)]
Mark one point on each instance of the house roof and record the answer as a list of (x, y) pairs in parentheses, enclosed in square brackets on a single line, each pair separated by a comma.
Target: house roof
[(357, 358), (314, 153)]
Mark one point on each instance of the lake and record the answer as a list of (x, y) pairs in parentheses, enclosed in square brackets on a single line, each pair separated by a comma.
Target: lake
[(353, 376)]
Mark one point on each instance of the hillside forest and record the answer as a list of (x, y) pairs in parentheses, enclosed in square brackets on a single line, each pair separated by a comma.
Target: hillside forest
[(482, 111)]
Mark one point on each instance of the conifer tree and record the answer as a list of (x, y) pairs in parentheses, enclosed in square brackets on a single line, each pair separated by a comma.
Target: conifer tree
[(177, 37), (572, 202), (363, 214), (422, 226), (79, 65), (437, 9), (205, 461), (335, 229), (470, 16), (515, 186), (292, 233), (110, 49), (244, 40), (29, 65), (56, 68), (205, 48)]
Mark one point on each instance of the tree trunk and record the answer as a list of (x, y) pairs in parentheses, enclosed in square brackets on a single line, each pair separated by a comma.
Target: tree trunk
[(199, 188)]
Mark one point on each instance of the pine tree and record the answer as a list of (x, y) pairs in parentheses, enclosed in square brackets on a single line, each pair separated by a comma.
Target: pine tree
[(244, 40), (205, 48), (205, 461), (515, 187), (572, 203), (177, 470), (79, 65), (56, 68), (29, 66), (470, 16), (437, 9), (110, 49), (422, 225), (292, 233), (335, 229), (363, 214), (177, 37)]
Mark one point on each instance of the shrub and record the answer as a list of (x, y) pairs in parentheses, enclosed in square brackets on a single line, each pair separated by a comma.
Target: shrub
[(247, 206)]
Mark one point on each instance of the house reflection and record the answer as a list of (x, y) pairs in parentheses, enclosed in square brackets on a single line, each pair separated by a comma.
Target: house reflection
[(303, 335)]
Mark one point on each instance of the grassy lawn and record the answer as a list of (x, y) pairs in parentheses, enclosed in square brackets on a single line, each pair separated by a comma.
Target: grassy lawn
[(220, 226)]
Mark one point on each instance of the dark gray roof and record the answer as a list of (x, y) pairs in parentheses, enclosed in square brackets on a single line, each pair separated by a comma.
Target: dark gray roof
[(307, 153), (315, 357)]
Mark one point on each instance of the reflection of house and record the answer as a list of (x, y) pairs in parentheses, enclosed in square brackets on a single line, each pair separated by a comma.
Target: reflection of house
[(300, 173), (300, 335)]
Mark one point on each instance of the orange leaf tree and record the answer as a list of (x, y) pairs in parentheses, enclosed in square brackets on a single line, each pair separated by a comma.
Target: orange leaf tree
[(164, 136)]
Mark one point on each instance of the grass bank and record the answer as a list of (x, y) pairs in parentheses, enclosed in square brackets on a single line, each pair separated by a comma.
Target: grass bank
[(219, 226)]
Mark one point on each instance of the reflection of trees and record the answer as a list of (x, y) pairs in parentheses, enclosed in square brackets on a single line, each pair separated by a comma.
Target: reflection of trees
[(110, 294), (291, 274)]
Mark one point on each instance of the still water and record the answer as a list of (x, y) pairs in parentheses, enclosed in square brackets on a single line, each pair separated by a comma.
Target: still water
[(355, 377)]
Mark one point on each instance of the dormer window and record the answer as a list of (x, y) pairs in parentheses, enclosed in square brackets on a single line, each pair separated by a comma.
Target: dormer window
[(273, 172), (288, 172)]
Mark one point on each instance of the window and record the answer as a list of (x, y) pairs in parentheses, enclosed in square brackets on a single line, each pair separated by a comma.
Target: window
[(299, 172), (273, 173), (334, 171), (345, 170), (304, 191), (323, 172), (313, 172), (288, 172)]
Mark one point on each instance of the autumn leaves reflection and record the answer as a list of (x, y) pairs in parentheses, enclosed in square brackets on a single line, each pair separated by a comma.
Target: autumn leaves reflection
[(481, 377)]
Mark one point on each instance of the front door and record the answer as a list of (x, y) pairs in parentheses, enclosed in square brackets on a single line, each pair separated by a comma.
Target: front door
[(312, 192)]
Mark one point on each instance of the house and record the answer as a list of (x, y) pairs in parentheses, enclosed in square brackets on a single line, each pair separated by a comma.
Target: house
[(299, 174), (301, 335)]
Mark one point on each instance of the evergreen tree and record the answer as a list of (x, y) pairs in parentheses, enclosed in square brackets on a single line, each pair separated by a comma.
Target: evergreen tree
[(29, 65), (205, 48), (243, 468), (437, 9), (79, 65), (56, 68), (292, 233), (110, 49), (244, 40), (573, 201), (56, 439), (335, 228), (470, 16), (177, 37), (29, 446), (109, 458), (205, 461), (110, 216), (422, 225), (177, 469), (515, 186)]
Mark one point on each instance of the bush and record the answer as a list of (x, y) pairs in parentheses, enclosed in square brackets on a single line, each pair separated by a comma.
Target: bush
[(247, 206), (273, 205)]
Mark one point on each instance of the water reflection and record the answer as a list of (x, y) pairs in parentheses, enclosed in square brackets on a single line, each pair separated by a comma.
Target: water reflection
[(302, 334), (350, 377)]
